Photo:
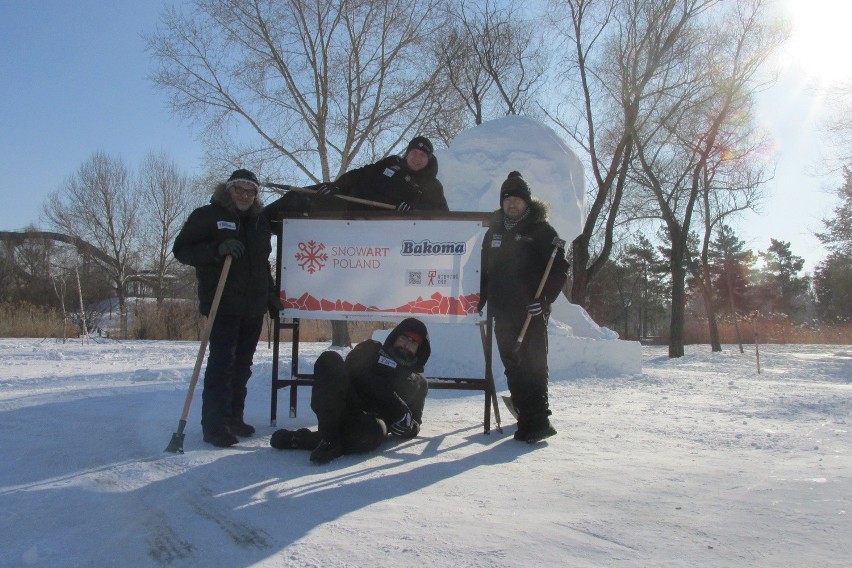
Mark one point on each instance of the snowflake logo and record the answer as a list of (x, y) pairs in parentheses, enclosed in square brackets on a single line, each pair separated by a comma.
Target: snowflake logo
[(311, 256)]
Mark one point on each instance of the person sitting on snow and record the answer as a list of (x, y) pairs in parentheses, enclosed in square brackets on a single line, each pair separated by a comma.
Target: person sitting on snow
[(378, 389)]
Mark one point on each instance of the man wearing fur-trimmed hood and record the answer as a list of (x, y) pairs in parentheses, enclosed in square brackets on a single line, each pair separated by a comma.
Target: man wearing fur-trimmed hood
[(515, 252), (231, 225)]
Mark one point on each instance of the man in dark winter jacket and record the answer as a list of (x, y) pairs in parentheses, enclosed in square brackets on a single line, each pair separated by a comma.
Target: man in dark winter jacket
[(515, 252), (378, 388), (231, 225), (408, 182)]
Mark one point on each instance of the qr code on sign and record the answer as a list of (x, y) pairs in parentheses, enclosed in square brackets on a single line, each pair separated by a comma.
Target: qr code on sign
[(415, 278)]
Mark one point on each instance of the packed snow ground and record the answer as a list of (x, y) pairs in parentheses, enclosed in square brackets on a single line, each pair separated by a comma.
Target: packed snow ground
[(698, 461)]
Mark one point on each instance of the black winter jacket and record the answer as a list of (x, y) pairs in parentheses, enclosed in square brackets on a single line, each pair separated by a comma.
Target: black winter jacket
[(249, 289), (513, 263), (385, 386), (390, 181)]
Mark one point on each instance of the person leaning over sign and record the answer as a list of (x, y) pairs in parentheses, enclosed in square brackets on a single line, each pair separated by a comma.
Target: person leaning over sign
[(231, 225), (378, 388), (408, 183), (516, 251)]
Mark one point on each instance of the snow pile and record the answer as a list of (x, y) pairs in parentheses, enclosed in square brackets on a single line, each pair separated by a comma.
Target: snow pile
[(479, 159)]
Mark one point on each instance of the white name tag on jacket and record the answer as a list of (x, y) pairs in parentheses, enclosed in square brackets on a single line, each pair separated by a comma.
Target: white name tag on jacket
[(387, 362), (389, 172), (226, 225), (496, 240)]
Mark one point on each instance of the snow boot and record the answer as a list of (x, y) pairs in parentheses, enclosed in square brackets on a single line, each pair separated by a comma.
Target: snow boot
[(220, 438), (326, 451), (301, 439), (240, 428), (540, 434)]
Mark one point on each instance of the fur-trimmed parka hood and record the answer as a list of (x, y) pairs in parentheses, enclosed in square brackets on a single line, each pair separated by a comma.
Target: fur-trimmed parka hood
[(539, 211), (223, 198)]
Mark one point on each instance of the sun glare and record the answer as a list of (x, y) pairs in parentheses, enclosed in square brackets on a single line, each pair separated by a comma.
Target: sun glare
[(821, 40)]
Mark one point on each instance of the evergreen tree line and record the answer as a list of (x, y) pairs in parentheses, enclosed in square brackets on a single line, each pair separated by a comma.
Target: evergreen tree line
[(632, 294)]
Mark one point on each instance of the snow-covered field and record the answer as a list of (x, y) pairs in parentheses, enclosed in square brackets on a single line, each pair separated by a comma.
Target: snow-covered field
[(698, 461)]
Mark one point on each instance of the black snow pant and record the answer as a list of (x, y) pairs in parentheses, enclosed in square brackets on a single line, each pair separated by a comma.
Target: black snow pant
[(340, 412), (526, 369), (233, 340)]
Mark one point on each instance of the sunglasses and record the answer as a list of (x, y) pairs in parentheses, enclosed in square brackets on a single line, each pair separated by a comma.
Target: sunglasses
[(244, 191)]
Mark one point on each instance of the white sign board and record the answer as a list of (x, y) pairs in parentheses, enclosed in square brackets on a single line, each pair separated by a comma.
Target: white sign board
[(381, 269)]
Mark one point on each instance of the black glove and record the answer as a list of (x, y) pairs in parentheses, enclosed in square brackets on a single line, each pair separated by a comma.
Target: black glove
[(414, 430), (273, 304), (231, 247), (403, 206), (402, 427), (327, 190), (536, 308)]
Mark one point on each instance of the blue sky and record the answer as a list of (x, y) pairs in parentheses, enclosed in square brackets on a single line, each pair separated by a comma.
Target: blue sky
[(74, 82)]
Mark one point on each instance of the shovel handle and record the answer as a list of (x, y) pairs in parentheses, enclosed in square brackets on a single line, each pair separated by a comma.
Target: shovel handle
[(208, 327), (351, 199), (556, 245)]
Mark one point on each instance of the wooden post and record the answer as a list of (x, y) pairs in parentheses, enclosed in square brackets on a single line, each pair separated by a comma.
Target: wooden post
[(84, 337), (756, 345)]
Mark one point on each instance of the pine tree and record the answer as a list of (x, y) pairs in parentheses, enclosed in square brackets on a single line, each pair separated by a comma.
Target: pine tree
[(781, 289), (643, 260), (630, 295), (730, 265), (833, 276)]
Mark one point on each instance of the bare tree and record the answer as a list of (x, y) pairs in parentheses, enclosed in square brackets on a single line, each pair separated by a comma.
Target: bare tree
[(492, 61), (34, 259), (98, 205), (839, 124), (732, 184), (694, 124), (617, 56), (310, 86), (168, 198)]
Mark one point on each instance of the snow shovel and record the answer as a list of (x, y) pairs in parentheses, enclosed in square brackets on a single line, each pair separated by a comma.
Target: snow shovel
[(557, 244), (176, 444), (489, 376), (297, 189)]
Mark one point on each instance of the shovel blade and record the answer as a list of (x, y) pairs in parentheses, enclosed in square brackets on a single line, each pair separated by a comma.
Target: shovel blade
[(176, 444), (510, 406)]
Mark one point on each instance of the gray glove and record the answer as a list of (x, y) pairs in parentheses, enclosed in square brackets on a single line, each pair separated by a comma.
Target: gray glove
[(536, 308), (231, 247), (327, 190)]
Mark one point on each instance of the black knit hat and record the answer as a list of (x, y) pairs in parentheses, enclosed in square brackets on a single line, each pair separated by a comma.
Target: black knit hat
[(515, 186), (245, 176), (421, 143)]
